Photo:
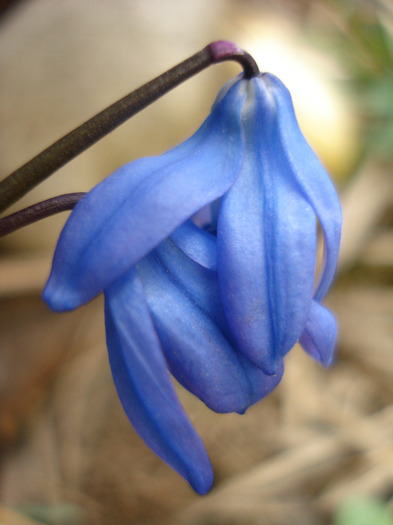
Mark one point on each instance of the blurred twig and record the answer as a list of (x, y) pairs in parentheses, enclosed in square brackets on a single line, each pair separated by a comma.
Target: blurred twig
[(291, 467), (364, 201)]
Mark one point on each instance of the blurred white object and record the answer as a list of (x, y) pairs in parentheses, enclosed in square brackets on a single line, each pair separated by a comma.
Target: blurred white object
[(325, 113)]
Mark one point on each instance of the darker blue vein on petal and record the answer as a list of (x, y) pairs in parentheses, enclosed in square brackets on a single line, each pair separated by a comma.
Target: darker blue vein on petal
[(266, 244), (311, 177)]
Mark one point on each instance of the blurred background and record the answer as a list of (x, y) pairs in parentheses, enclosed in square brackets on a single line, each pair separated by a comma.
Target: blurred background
[(319, 450)]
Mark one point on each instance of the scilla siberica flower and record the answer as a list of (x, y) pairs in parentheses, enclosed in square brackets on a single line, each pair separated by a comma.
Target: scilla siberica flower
[(216, 301)]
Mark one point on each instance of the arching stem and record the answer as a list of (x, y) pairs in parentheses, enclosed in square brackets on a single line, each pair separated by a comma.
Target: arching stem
[(55, 156), (38, 211)]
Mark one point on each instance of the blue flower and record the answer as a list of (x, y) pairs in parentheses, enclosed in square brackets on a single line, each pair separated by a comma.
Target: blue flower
[(206, 256)]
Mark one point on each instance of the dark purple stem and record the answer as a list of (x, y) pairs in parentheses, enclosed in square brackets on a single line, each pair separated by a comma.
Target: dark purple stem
[(38, 211), (224, 50), (55, 156)]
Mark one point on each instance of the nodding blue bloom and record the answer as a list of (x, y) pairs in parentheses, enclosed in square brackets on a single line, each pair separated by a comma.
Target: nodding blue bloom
[(206, 256)]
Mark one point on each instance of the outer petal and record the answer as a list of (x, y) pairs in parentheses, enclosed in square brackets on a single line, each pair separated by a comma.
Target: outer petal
[(319, 335), (144, 386), (266, 244), (310, 176), (126, 216), (187, 312)]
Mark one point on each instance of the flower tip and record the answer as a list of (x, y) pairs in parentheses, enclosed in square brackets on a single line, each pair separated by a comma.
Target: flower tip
[(319, 336), (326, 363), (58, 299), (202, 482)]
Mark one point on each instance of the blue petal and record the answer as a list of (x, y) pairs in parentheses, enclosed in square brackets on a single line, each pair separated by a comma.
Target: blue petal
[(266, 244), (319, 335), (310, 176), (127, 215), (187, 312), (197, 244), (144, 386)]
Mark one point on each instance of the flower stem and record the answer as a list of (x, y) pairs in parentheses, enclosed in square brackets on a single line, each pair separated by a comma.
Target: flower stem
[(65, 149), (38, 211)]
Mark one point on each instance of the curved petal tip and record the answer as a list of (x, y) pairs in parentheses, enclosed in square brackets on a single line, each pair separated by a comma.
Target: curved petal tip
[(319, 336)]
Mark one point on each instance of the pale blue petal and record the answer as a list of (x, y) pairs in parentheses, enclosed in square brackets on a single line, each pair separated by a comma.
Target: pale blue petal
[(144, 385), (310, 176), (266, 245), (319, 336), (187, 312), (198, 245), (126, 216)]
